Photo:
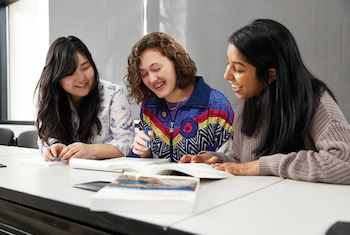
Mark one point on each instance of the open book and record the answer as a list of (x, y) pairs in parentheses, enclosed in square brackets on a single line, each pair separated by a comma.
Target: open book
[(150, 166), (150, 194), (114, 164), (92, 164)]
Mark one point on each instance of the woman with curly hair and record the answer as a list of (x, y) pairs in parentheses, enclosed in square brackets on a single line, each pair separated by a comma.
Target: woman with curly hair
[(183, 114), (80, 115)]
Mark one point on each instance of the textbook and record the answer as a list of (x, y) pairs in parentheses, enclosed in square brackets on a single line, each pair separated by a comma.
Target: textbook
[(150, 166), (147, 194), (114, 164)]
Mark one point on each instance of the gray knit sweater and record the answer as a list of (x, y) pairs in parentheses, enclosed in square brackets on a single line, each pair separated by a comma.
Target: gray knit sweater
[(326, 157)]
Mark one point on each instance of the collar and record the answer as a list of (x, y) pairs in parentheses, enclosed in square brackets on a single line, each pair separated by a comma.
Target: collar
[(198, 98)]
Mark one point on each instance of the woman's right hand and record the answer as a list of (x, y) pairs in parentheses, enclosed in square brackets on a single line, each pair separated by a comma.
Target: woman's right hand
[(198, 158), (52, 152), (140, 145)]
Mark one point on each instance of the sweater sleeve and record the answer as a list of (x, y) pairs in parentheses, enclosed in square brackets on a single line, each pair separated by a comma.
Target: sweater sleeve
[(220, 115), (232, 155), (328, 161)]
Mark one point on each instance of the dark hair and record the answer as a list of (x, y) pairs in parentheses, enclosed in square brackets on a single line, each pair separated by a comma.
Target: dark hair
[(184, 66), (288, 103), (54, 112)]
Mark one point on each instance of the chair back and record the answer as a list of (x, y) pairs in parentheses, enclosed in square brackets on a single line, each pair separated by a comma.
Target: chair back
[(28, 139), (6, 136)]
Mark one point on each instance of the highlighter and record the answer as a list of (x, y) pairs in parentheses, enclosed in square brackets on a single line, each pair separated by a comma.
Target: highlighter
[(146, 132)]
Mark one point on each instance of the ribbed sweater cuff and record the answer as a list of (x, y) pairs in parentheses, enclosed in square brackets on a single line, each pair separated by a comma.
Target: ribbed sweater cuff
[(268, 165)]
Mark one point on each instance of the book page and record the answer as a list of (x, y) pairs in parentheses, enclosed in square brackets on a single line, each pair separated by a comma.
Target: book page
[(199, 170), (39, 161), (114, 164)]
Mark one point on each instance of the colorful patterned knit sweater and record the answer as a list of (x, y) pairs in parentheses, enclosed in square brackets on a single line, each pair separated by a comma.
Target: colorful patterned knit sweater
[(204, 122)]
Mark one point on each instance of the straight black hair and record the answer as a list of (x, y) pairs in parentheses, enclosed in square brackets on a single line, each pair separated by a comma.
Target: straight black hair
[(285, 107), (54, 112)]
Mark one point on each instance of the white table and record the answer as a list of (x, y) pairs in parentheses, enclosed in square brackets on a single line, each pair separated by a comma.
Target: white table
[(238, 205), (14, 150), (287, 207)]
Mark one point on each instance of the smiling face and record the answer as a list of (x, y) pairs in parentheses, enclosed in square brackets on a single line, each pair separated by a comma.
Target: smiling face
[(158, 74), (241, 75), (79, 84)]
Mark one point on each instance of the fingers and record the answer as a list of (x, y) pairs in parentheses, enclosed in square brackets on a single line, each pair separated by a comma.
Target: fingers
[(223, 167), (55, 151), (67, 153), (186, 158), (151, 135), (76, 150), (202, 158), (219, 166), (247, 168), (198, 158), (140, 142), (212, 160), (47, 155), (52, 152)]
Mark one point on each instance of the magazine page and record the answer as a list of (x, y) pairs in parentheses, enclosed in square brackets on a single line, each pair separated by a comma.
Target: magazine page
[(136, 193)]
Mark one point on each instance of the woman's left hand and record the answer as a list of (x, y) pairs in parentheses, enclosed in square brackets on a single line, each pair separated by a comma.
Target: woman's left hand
[(247, 168), (77, 150)]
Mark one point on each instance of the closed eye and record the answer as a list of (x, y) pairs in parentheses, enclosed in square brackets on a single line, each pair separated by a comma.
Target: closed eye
[(86, 68)]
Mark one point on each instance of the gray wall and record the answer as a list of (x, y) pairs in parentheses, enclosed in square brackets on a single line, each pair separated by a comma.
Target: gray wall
[(110, 28)]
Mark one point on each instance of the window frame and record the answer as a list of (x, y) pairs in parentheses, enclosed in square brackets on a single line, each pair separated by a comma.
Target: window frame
[(4, 66)]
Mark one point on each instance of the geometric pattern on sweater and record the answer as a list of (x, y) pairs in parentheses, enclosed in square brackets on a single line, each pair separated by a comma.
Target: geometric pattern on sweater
[(204, 132), (203, 123)]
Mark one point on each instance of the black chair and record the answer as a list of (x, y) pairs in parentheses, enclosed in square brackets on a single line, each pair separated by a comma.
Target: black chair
[(6, 136), (28, 139)]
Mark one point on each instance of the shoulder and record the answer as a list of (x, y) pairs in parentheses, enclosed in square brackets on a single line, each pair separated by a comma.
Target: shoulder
[(214, 95), (328, 108), (216, 98), (327, 113), (110, 87)]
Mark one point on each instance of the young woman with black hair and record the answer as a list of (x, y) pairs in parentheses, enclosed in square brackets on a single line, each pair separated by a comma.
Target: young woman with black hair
[(288, 123), (80, 115)]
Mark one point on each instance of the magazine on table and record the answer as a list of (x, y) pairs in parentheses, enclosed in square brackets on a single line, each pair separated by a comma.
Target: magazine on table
[(132, 192)]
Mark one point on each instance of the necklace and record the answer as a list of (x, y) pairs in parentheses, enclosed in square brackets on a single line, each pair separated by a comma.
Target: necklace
[(173, 108)]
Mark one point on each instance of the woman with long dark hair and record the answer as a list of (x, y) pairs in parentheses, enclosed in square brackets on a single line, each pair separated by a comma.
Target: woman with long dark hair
[(80, 115), (288, 123)]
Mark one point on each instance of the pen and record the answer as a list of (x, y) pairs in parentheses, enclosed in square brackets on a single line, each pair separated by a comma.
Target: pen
[(146, 132), (55, 159)]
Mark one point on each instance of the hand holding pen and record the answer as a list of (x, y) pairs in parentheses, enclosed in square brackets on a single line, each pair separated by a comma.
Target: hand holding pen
[(142, 142)]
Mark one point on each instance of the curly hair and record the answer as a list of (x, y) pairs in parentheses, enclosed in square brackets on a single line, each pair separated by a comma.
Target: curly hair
[(184, 66)]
